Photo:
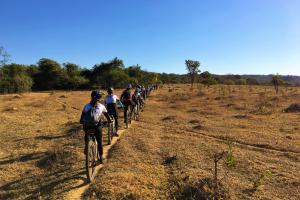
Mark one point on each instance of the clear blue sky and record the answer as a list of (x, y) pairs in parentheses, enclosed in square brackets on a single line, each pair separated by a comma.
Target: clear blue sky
[(227, 36)]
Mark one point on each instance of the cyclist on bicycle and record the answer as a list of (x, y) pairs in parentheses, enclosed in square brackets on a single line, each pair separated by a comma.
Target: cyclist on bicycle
[(144, 95), (138, 95), (127, 100), (94, 111), (111, 101)]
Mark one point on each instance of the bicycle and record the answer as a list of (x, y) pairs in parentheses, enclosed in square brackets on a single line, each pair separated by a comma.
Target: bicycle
[(128, 117), (142, 105), (111, 130), (135, 112), (91, 156)]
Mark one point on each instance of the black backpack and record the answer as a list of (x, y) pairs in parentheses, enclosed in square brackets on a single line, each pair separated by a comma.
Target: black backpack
[(127, 95)]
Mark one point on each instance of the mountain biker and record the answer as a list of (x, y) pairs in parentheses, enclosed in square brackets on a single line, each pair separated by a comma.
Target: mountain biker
[(127, 100), (98, 109), (138, 95), (111, 105), (144, 95)]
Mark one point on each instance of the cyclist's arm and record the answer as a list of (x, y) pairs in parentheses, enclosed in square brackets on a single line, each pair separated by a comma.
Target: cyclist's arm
[(82, 115), (81, 118), (107, 116)]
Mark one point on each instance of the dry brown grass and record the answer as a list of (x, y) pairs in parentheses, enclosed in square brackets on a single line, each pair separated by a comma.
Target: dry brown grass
[(166, 155)]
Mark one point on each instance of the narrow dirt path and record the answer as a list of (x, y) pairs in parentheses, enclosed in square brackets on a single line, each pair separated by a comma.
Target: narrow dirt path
[(82, 185)]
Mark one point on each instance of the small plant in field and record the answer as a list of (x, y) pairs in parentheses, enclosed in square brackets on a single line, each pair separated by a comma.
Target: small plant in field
[(230, 159), (261, 178), (217, 158)]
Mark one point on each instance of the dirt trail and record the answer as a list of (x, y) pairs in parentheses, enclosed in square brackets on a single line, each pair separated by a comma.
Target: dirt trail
[(81, 185)]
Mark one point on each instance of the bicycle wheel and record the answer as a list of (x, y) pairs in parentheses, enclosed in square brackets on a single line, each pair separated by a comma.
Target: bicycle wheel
[(127, 119), (90, 160), (109, 134), (136, 113)]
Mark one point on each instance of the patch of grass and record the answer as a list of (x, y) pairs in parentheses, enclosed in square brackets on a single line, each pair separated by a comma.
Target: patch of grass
[(202, 189), (168, 118), (194, 121), (261, 179), (193, 110), (293, 108), (230, 160), (170, 159), (10, 109), (58, 156)]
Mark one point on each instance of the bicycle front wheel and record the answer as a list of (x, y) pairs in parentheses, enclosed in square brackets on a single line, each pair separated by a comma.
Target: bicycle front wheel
[(90, 160)]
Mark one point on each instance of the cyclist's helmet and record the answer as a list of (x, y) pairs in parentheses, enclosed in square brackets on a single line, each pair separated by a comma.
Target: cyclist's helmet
[(110, 90), (96, 94), (129, 86)]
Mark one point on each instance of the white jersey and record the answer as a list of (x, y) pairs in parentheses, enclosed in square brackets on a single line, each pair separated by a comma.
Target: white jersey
[(99, 109), (111, 99)]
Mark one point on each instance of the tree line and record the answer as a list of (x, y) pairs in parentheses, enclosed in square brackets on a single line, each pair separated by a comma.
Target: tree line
[(48, 74)]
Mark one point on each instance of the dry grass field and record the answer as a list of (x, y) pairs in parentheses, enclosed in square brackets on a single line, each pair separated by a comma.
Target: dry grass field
[(168, 154)]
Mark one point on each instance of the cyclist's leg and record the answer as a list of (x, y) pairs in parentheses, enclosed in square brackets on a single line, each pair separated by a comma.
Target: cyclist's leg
[(85, 140), (125, 111), (116, 117), (99, 139)]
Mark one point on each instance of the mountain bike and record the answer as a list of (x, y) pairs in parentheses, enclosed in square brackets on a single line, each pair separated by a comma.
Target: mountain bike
[(111, 129), (91, 156), (142, 105), (135, 112), (128, 116)]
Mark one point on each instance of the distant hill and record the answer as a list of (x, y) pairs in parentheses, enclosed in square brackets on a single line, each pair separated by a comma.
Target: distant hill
[(294, 80), (261, 79)]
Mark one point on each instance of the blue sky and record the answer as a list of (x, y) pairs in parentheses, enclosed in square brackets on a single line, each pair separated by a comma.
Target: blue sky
[(226, 36)]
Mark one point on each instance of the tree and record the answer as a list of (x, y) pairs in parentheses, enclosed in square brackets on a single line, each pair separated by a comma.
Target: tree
[(72, 77), (50, 75), (193, 69), (277, 81), (4, 56), (14, 78), (207, 79), (241, 81), (102, 73)]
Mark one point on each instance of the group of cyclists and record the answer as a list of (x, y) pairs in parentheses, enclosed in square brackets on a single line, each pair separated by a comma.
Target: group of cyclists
[(131, 98)]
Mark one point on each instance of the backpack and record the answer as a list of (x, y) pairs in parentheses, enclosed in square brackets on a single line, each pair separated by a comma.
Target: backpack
[(91, 117), (127, 95)]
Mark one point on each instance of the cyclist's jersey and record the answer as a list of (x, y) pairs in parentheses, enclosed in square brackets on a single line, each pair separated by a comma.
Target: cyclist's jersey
[(109, 99)]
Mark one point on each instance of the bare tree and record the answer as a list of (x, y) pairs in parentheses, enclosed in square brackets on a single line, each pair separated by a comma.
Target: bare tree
[(193, 69), (276, 81), (4, 56)]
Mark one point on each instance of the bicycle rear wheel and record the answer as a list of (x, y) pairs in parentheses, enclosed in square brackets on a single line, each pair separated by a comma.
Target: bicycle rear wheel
[(110, 132), (90, 160)]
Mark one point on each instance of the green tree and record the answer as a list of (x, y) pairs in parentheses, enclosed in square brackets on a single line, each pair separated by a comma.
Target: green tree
[(241, 81), (73, 78), (207, 79), (4, 56), (193, 69), (101, 73), (277, 81), (50, 75), (14, 78)]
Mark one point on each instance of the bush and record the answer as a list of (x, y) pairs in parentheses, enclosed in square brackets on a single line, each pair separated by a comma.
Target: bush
[(14, 79)]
